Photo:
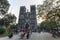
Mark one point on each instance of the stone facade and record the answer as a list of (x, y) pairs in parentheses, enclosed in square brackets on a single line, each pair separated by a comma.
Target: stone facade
[(27, 17)]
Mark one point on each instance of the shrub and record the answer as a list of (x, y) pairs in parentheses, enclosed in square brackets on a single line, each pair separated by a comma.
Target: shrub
[(2, 30)]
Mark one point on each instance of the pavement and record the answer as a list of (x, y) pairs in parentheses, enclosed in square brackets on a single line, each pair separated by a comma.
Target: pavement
[(33, 36)]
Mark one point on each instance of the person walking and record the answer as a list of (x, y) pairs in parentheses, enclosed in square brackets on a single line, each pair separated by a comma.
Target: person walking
[(54, 34), (27, 31), (22, 32)]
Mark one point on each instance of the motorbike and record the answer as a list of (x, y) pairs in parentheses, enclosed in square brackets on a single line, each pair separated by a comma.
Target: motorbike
[(10, 35)]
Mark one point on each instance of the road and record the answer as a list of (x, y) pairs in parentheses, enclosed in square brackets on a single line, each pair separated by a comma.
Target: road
[(34, 36)]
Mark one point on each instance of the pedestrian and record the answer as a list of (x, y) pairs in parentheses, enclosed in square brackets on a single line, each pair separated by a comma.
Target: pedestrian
[(27, 31), (54, 34), (22, 32)]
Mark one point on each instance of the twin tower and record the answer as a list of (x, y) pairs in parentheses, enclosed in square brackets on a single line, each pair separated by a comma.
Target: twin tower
[(27, 17)]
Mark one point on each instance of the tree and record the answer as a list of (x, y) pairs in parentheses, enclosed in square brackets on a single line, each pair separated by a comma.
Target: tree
[(13, 28), (2, 30), (51, 10), (48, 25), (4, 6), (47, 7), (8, 19)]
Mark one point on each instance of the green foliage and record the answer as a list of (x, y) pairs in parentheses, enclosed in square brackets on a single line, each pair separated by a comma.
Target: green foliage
[(1, 22), (48, 24), (51, 12), (45, 24), (4, 4), (2, 30), (7, 19), (13, 27), (10, 18)]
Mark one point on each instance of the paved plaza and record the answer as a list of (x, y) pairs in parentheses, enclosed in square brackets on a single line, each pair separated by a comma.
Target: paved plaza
[(34, 36)]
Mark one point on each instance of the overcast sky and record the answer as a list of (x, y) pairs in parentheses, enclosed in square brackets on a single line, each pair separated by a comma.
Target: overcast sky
[(15, 5)]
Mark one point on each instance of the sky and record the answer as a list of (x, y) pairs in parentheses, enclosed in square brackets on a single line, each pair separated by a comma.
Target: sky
[(15, 5)]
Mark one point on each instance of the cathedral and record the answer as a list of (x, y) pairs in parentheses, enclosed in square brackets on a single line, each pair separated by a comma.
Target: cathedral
[(27, 17)]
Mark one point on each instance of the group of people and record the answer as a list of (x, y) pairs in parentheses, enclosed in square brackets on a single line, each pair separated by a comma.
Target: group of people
[(25, 31)]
